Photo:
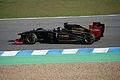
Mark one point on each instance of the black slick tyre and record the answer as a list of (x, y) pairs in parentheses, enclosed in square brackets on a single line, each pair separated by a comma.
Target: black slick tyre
[(31, 38), (88, 38)]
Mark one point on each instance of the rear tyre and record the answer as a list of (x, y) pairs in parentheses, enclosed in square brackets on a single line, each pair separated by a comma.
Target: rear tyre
[(88, 38), (31, 38)]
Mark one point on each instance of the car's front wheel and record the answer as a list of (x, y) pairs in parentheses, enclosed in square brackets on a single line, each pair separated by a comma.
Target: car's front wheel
[(31, 38)]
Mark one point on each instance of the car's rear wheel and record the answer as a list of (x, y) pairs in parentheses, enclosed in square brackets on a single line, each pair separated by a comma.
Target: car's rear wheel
[(31, 38), (88, 38)]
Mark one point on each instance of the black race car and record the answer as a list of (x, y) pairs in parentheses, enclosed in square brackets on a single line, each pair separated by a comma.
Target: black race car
[(70, 33)]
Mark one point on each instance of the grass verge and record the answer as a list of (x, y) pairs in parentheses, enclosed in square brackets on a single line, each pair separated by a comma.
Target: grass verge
[(59, 58), (51, 8)]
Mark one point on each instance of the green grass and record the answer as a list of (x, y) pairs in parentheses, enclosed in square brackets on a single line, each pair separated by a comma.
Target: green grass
[(50, 8), (60, 58)]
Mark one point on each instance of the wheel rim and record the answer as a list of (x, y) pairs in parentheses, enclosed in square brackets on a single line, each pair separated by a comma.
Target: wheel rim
[(30, 39), (88, 39)]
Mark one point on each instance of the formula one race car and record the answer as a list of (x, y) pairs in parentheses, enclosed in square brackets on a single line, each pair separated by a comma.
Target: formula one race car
[(70, 33)]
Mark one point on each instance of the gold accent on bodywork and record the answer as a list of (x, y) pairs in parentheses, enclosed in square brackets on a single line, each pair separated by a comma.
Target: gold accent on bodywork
[(67, 40)]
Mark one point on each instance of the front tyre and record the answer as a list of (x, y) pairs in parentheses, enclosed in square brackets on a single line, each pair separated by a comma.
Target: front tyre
[(31, 38)]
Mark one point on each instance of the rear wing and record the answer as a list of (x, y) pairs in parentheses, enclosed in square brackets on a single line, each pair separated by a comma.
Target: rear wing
[(97, 29)]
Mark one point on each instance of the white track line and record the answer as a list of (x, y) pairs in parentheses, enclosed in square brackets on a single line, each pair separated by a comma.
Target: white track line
[(100, 50), (70, 51), (9, 53), (58, 17), (39, 52)]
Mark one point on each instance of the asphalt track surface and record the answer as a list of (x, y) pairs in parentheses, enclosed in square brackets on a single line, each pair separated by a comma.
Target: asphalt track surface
[(11, 27)]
